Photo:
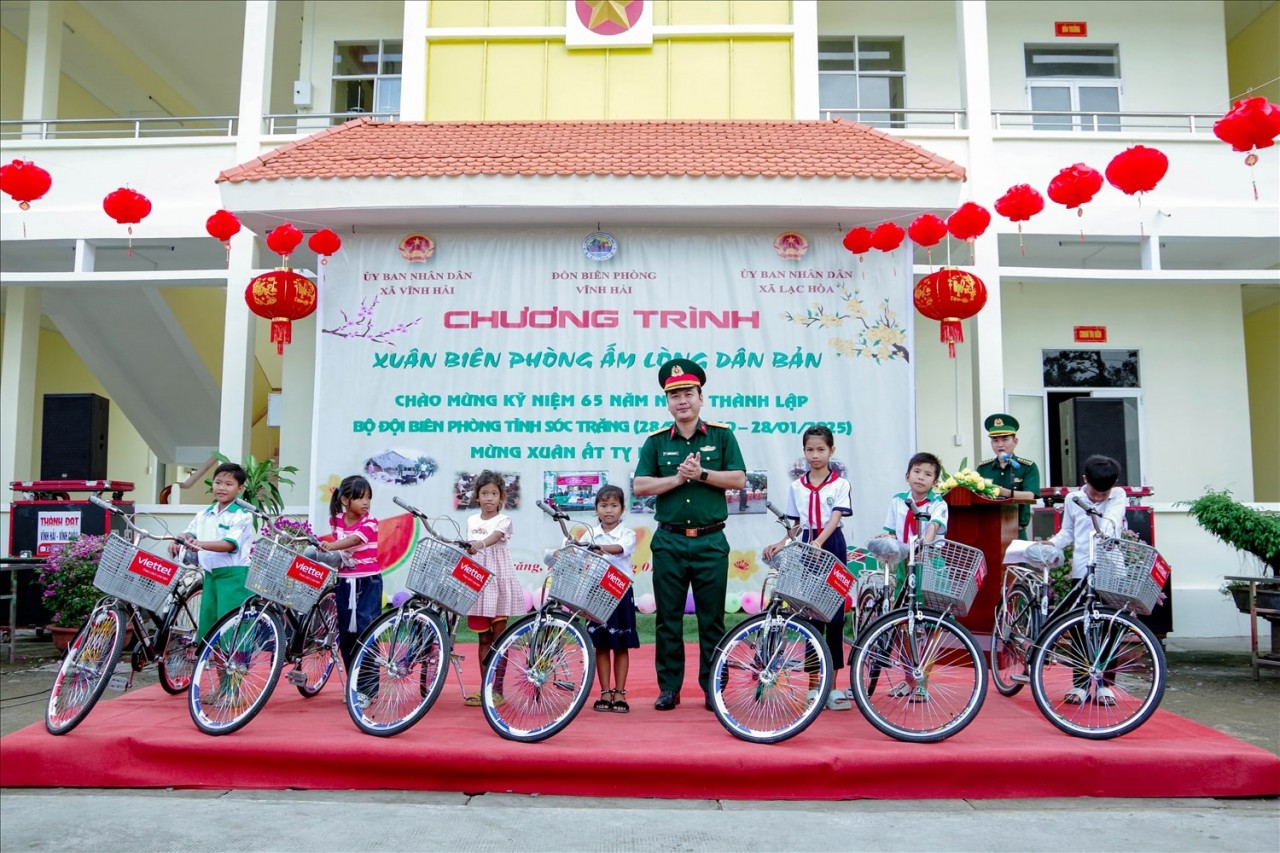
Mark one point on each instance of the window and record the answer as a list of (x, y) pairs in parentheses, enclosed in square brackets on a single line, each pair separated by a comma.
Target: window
[(1090, 368), (366, 77), (1078, 79), (858, 76)]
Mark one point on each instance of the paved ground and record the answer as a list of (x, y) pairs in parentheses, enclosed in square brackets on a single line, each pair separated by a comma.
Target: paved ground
[(1210, 681)]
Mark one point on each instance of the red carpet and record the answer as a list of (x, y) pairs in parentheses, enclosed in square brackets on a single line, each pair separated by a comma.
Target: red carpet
[(147, 740)]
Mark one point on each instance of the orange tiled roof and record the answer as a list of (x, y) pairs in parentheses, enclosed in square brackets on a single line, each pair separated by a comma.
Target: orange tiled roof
[(793, 149)]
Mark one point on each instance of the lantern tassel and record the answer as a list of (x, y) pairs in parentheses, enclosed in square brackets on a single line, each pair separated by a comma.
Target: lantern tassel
[(281, 333), (1022, 250), (130, 241), (951, 333)]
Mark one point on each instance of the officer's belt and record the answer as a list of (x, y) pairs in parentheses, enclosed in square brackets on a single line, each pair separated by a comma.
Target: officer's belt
[(691, 532)]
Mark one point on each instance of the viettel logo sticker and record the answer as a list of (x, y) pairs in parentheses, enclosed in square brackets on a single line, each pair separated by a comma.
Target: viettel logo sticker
[(152, 567), (307, 572), (615, 582), (609, 17), (470, 574), (840, 579)]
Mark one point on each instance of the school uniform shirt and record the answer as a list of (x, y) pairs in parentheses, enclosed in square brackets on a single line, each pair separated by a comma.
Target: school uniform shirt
[(365, 554), (1078, 524), (900, 522), (812, 506), (622, 536), (233, 524)]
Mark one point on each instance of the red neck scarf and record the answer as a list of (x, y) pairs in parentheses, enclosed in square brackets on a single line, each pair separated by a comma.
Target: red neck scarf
[(912, 526), (815, 501)]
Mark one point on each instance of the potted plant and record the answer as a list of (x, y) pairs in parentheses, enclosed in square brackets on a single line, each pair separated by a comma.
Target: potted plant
[(1252, 531), (67, 580)]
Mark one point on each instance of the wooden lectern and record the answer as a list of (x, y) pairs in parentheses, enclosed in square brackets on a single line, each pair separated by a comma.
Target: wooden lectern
[(989, 526)]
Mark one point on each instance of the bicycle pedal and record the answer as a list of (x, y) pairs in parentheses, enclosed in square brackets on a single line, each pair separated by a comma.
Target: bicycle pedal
[(122, 679), (1021, 679), (296, 677)]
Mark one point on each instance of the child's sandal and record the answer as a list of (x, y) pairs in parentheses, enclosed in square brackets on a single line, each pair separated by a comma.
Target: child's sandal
[(620, 705), (603, 704)]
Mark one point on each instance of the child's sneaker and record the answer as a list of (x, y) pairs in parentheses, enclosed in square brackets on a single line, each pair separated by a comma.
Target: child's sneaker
[(919, 695), (472, 701), (810, 698), (900, 690), (1105, 697), (1075, 696), (837, 701)]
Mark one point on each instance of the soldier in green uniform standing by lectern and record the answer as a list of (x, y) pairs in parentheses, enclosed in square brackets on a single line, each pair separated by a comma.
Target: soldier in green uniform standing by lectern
[(1016, 476), (688, 465)]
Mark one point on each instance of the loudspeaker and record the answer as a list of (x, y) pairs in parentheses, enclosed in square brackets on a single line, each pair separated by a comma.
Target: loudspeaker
[(1099, 426), (74, 437)]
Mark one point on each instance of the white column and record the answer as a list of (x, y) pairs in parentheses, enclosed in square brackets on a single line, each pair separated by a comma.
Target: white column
[(413, 66), (238, 367), (44, 62), (983, 175), (804, 58), (18, 384)]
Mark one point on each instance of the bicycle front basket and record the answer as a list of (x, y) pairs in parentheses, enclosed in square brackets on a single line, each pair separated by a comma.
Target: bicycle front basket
[(1123, 578), (134, 575), (282, 575), (950, 574), (445, 574), (587, 582), (811, 580)]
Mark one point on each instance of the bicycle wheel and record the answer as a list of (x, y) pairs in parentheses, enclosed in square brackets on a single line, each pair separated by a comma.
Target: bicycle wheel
[(1011, 638), (237, 669), (398, 670), (919, 679), (537, 676), (183, 644), (763, 677), (87, 667), (319, 645), (1112, 665)]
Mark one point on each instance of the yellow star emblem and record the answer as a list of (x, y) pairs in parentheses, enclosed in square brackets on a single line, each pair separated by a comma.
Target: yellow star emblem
[(608, 11)]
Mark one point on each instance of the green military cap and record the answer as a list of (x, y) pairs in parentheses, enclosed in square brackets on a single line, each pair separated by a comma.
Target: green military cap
[(681, 373), (1001, 424)]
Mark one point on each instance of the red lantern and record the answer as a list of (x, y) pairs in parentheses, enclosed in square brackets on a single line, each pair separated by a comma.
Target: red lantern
[(927, 230), (949, 296), (222, 226), (969, 221), (1137, 170), (324, 243), (1019, 204), (127, 208), (858, 241), (1074, 186), (24, 181), (283, 240), (1251, 124), (887, 237), (281, 296)]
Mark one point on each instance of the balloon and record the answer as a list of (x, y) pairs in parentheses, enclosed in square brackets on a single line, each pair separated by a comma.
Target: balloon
[(646, 603), (688, 603), (400, 597), (751, 602), (732, 603)]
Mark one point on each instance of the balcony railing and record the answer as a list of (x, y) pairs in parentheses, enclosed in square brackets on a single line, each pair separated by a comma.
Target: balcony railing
[(288, 123), (898, 119), (1103, 122), (118, 128)]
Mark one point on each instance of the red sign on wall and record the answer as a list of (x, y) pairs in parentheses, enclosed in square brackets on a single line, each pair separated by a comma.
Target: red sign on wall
[(1091, 334), (1070, 29)]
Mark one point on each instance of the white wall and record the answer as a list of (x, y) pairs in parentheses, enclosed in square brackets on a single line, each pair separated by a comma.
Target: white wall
[(326, 22), (1151, 37)]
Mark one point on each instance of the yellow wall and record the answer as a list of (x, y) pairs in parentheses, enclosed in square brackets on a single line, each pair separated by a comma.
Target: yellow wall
[(1252, 58), (73, 101), (200, 312), (677, 78), (1262, 355)]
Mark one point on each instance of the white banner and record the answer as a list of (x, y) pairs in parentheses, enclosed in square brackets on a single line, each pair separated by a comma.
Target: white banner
[(536, 352)]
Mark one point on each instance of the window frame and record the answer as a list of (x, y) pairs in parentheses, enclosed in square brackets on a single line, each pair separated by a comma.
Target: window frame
[(378, 77), (1073, 83), (893, 120)]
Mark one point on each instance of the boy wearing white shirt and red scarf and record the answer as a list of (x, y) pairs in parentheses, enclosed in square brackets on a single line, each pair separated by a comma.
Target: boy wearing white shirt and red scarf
[(923, 470), (816, 502)]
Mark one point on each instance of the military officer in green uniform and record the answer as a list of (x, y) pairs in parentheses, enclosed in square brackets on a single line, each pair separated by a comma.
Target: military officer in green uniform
[(1016, 476), (688, 466)]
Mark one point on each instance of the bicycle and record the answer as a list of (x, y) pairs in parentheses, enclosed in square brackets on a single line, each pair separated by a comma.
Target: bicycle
[(771, 673), (400, 663), (1099, 648), (538, 673), (138, 585), (934, 672), (292, 616)]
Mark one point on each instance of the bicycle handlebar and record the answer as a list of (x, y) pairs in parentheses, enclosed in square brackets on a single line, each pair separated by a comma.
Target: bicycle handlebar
[(561, 517), (146, 534), (426, 522)]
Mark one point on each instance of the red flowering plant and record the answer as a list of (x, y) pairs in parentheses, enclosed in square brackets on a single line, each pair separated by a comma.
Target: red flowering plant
[(67, 580)]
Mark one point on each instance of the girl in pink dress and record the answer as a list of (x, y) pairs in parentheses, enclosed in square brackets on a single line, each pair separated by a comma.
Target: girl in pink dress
[(488, 532)]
